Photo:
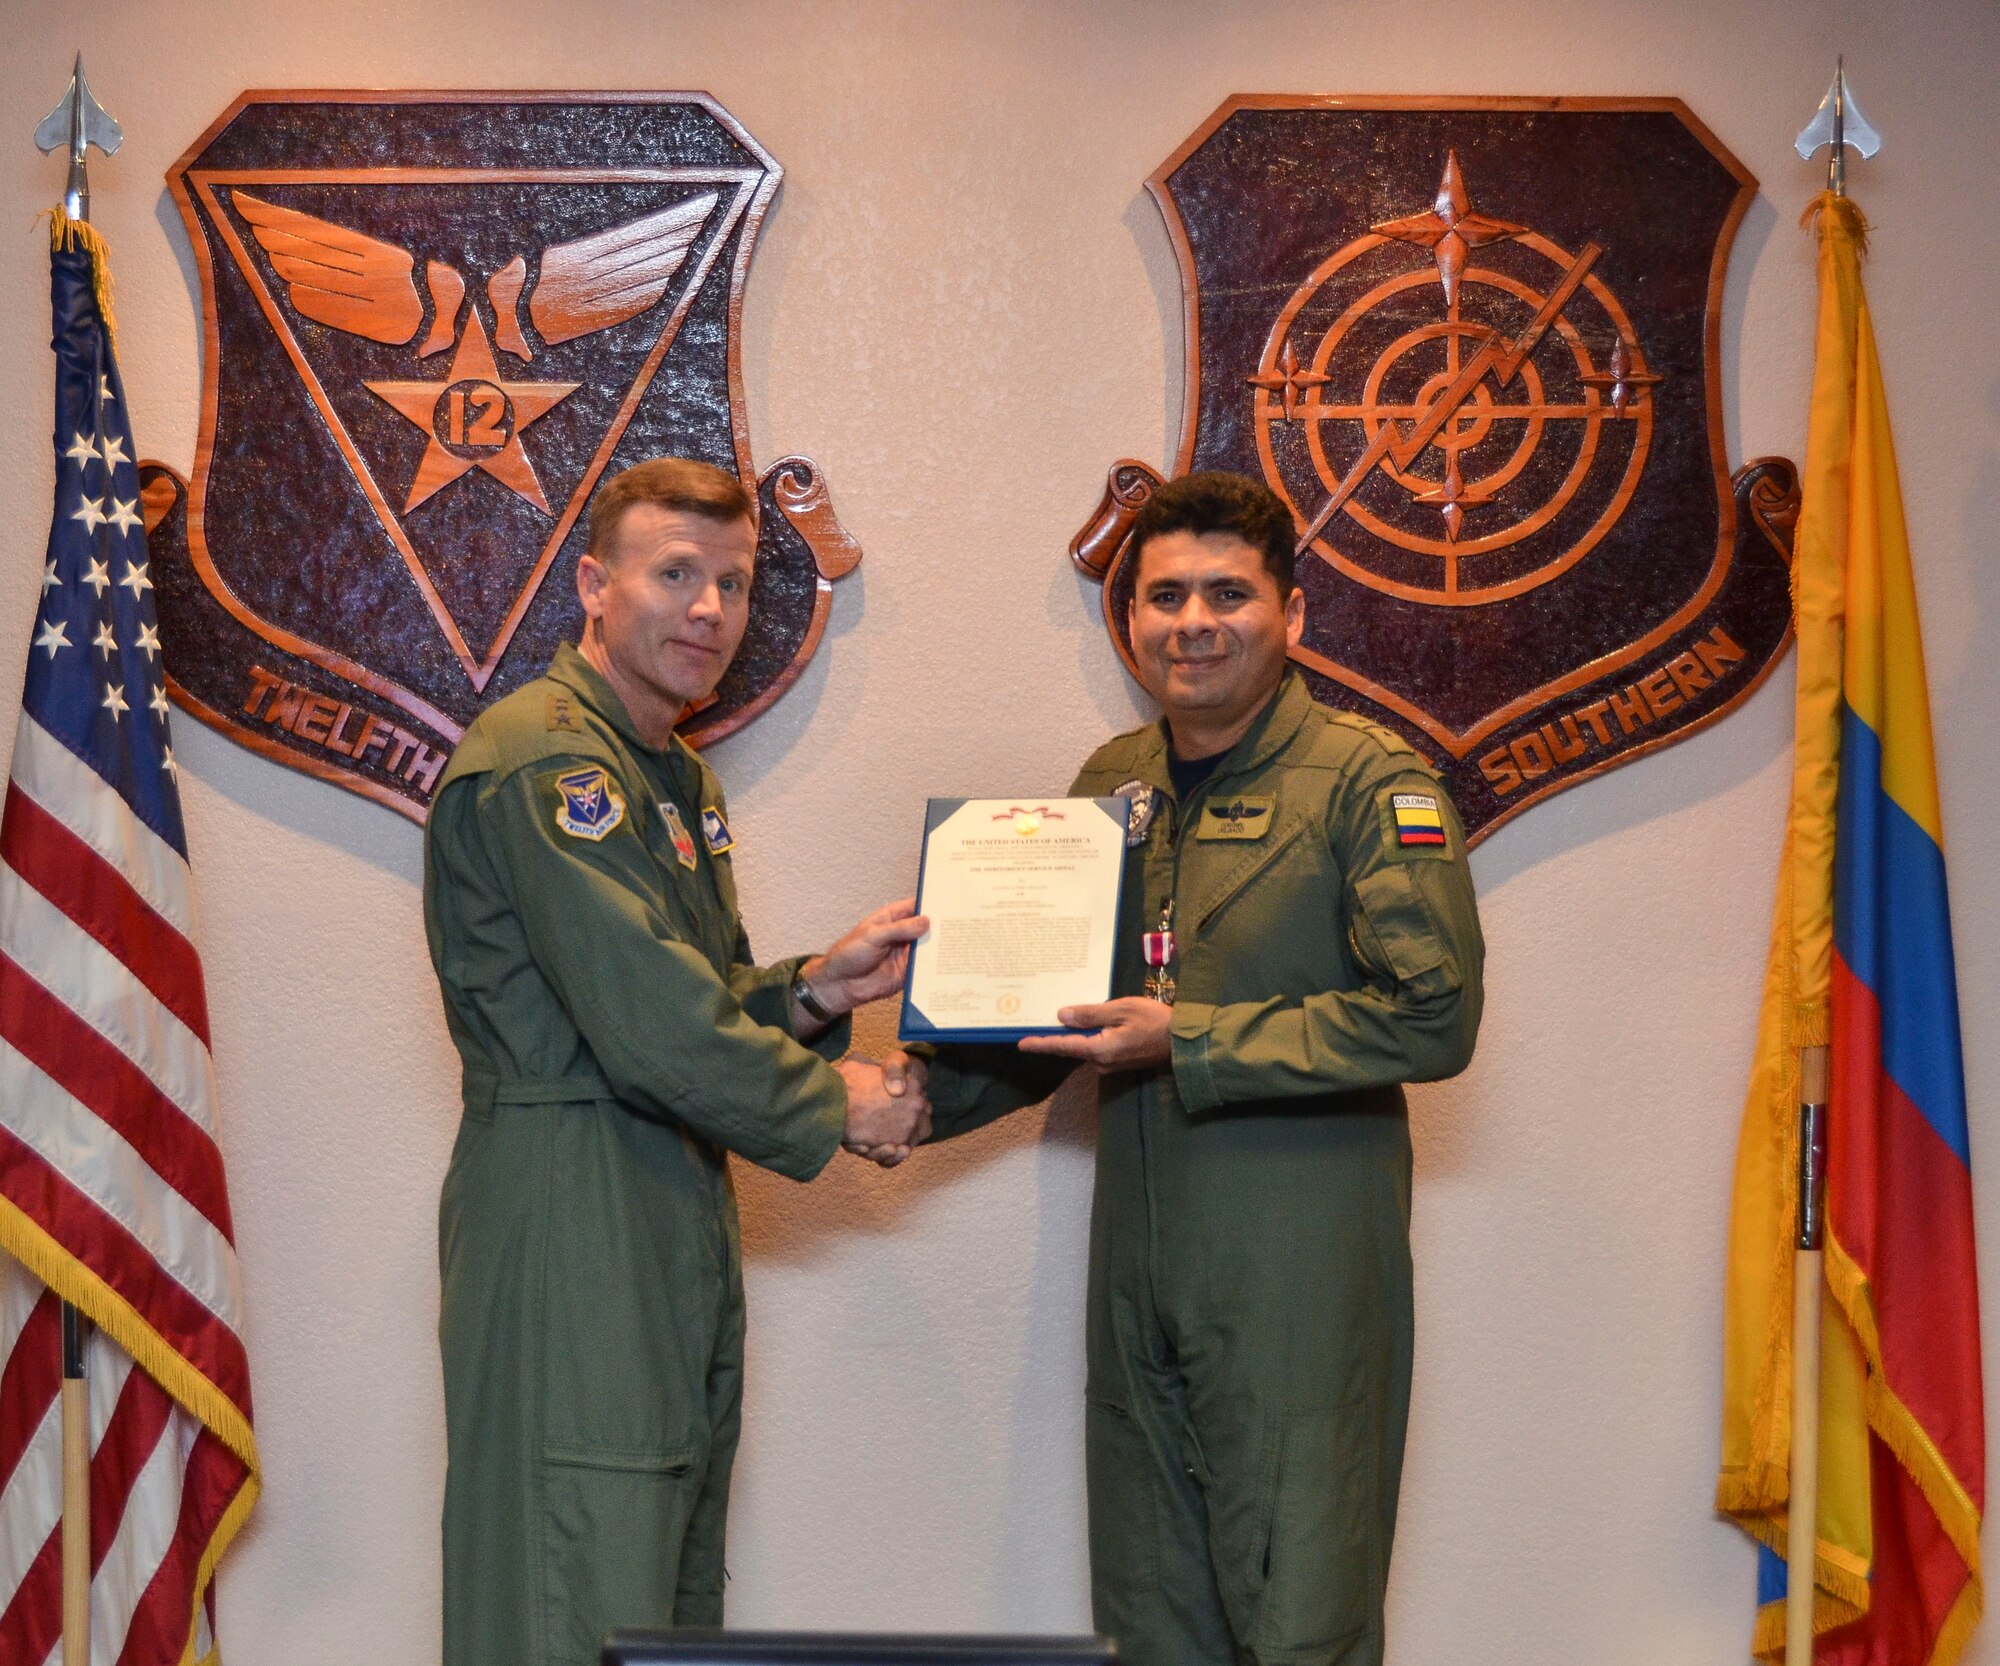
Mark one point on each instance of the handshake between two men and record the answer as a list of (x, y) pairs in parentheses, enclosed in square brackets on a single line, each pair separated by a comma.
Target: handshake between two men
[(888, 1114), (888, 1107)]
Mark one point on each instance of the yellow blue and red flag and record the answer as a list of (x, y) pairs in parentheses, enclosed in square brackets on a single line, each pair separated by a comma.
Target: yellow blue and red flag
[(1861, 960)]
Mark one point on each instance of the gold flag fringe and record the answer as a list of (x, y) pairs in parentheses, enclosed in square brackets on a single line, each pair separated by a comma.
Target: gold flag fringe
[(66, 234), (1828, 210)]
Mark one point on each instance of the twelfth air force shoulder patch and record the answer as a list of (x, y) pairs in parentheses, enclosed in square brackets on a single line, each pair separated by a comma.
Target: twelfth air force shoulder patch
[(588, 805)]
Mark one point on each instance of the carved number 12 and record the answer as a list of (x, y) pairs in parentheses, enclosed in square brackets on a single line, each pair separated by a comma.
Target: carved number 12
[(487, 405)]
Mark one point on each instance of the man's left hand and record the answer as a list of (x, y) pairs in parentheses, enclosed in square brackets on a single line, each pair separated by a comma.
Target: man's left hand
[(868, 963), (1132, 1033)]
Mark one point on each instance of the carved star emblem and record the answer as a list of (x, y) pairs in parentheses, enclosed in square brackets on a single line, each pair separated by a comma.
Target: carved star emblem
[(1290, 381), (83, 449), (49, 579), (135, 578), (112, 449), (1451, 231), (98, 576), (167, 760), (55, 636), (104, 638), (91, 514), (158, 702), (474, 420), (114, 701), (125, 516), (1624, 379), (149, 645)]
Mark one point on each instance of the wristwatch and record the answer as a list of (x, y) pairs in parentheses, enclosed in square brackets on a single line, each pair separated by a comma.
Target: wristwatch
[(803, 993)]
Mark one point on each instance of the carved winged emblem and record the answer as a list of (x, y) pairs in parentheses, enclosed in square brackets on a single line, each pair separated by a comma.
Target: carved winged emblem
[(432, 332)]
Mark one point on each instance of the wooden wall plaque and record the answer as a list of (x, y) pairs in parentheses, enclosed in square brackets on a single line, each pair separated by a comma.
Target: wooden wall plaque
[(433, 322), (1474, 344)]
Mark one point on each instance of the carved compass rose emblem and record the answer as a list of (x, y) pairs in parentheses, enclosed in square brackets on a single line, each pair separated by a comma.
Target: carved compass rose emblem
[(1430, 386), (1474, 347)]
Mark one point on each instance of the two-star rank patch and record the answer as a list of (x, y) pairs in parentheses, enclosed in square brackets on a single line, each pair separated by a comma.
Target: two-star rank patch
[(588, 806), (1236, 818), (677, 831), (715, 830), (1417, 819)]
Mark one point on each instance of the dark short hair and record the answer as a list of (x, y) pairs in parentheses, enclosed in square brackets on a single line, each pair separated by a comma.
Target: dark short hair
[(677, 483), (1213, 501)]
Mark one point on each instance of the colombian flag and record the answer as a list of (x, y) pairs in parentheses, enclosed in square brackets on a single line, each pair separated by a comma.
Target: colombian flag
[(1861, 959)]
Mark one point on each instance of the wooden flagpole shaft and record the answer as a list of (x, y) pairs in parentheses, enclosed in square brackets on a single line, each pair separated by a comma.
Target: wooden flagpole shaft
[(1802, 1527), (76, 1494)]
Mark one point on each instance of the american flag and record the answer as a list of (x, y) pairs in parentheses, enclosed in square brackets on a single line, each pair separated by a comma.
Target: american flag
[(111, 1186)]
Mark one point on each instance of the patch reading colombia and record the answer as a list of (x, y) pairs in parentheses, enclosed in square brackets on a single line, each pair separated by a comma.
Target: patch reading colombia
[(588, 805), (1418, 819)]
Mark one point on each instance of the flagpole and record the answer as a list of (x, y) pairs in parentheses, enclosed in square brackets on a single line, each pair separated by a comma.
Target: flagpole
[(77, 122), (1838, 124), (1802, 1511)]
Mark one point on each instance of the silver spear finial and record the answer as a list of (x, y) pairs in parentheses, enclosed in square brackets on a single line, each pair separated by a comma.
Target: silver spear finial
[(78, 121), (1838, 122)]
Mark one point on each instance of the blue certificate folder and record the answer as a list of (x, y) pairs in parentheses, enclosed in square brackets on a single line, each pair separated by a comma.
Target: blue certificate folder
[(915, 1026)]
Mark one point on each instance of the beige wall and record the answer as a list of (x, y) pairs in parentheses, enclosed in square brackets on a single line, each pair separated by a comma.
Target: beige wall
[(964, 309)]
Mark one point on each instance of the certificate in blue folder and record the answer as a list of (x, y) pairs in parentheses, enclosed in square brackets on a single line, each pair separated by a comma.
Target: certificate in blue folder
[(1022, 897)]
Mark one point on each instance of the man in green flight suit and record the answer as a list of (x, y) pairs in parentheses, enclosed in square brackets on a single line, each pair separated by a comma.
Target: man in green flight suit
[(617, 1042), (1298, 940)]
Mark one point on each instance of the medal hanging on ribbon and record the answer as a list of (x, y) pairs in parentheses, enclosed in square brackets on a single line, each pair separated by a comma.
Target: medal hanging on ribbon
[(1158, 949)]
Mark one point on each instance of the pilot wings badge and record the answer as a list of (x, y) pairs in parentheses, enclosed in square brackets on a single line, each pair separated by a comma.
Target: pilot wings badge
[(434, 323), (1474, 346)]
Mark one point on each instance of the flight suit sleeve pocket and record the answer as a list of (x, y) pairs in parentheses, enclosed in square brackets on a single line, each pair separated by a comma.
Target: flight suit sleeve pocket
[(612, 1528), (1322, 1563), (1396, 930)]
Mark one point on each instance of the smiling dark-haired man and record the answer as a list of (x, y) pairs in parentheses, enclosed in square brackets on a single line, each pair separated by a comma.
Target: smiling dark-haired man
[(617, 1042), (1299, 939)]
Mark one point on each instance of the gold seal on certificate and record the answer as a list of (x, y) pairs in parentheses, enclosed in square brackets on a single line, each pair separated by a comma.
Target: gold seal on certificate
[(1023, 903)]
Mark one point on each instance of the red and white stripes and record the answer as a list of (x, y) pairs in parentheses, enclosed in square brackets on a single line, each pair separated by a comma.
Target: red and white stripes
[(111, 1190)]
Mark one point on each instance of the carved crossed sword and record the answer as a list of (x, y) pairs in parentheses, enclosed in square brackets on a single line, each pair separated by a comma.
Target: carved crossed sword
[(1498, 356)]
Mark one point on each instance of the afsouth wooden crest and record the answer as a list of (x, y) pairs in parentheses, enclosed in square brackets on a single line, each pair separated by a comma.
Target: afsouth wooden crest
[(1474, 345), (434, 322)]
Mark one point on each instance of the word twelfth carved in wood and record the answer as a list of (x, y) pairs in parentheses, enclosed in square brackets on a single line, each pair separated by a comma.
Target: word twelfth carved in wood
[(435, 322), (1474, 346)]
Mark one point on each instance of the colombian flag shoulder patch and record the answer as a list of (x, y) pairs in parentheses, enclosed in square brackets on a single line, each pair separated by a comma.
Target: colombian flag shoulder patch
[(1417, 819)]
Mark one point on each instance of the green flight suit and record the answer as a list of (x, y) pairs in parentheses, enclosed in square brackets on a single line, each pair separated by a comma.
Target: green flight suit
[(616, 1041), (1249, 1324)]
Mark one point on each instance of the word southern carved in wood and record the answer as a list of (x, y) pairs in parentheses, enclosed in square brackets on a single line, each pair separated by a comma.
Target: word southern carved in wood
[(434, 322), (1474, 346)]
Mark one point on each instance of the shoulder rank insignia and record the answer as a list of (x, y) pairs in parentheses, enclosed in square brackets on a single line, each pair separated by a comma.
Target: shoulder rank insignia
[(1418, 819), (588, 805), (677, 831), (1145, 801), (562, 714), (715, 830), (1236, 818)]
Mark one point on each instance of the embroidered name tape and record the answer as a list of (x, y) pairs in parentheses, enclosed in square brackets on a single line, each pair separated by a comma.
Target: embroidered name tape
[(1236, 818)]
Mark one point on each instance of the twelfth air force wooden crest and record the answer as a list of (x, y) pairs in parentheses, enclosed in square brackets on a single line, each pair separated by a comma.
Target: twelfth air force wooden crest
[(1474, 346), (434, 322)]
